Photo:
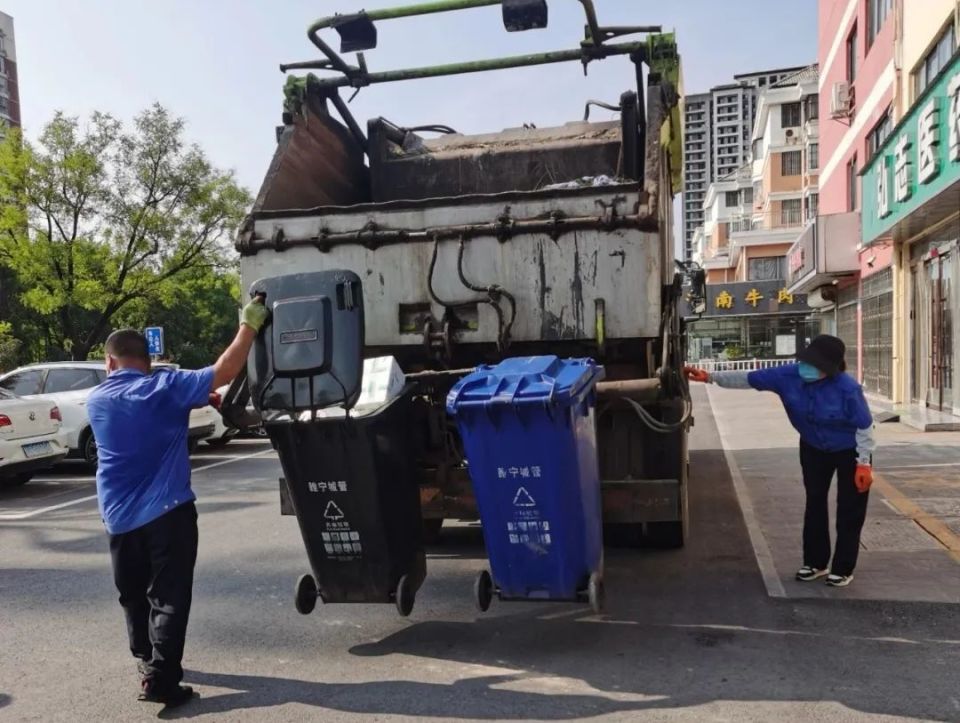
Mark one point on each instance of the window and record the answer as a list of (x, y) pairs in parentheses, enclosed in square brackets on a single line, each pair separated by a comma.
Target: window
[(813, 156), (23, 383), (813, 206), (852, 201), (852, 55), (936, 60), (880, 133), (70, 380), (811, 106), (747, 196), (877, 12), (790, 115), (732, 199), (768, 269), (791, 163), (791, 212)]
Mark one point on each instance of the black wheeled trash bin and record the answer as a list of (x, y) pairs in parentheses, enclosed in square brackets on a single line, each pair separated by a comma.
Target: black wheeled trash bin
[(351, 477)]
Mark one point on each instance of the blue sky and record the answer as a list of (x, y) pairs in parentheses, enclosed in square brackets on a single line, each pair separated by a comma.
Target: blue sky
[(214, 62)]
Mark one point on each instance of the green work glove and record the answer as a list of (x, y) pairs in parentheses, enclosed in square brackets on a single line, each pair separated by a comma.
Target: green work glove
[(254, 314)]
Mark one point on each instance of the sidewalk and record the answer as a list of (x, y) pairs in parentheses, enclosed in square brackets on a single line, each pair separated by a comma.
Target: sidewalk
[(910, 550)]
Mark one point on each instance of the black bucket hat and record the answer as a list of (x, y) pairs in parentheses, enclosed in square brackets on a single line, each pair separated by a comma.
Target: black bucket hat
[(826, 353)]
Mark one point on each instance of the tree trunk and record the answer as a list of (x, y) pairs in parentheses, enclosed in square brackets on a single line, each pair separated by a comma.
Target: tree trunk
[(80, 351)]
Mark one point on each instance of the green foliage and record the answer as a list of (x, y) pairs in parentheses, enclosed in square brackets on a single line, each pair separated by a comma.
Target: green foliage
[(99, 222), (9, 347)]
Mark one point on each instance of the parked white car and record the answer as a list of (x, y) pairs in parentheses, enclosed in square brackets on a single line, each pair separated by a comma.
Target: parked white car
[(222, 432), (30, 438), (68, 384)]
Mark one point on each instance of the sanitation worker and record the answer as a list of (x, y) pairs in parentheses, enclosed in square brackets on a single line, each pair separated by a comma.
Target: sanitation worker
[(140, 421), (827, 407)]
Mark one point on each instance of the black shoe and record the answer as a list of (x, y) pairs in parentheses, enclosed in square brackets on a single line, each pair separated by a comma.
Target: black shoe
[(807, 573), (170, 697), (839, 580)]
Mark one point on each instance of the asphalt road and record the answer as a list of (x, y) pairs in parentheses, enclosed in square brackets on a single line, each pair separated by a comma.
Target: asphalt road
[(688, 635)]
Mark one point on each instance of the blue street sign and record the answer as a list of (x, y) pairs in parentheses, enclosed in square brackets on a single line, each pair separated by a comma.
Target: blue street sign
[(154, 335)]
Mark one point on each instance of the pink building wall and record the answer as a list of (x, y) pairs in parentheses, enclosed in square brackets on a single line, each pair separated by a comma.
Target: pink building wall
[(842, 139), (835, 22)]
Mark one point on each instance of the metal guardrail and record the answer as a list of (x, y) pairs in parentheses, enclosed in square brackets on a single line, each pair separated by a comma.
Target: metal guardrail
[(739, 365)]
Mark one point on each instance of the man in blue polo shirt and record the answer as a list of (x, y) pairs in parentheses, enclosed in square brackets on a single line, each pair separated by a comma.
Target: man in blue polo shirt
[(140, 420)]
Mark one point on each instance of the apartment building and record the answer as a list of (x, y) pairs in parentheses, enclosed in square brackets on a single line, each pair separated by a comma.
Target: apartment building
[(752, 217), (697, 163), (717, 130), (9, 89)]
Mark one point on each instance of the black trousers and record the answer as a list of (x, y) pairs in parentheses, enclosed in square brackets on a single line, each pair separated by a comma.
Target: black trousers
[(153, 570), (819, 468)]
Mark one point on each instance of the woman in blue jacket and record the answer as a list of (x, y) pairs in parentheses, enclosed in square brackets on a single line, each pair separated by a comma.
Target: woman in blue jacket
[(827, 407)]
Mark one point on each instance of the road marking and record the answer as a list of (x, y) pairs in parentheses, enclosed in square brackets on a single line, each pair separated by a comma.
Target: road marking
[(81, 500), (233, 459), (921, 466), (935, 527), (761, 550), (53, 480), (41, 510), (563, 614), (772, 631)]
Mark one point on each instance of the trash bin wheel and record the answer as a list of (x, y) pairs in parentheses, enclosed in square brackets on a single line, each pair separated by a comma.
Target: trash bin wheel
[(404, 597), (305, 595), (596, 593), (483, 591)]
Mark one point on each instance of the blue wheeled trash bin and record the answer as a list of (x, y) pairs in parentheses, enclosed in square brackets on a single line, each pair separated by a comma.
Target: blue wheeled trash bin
[(529, 431)]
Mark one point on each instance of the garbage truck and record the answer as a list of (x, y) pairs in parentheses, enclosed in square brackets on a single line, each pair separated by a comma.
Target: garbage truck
[(474, 248)]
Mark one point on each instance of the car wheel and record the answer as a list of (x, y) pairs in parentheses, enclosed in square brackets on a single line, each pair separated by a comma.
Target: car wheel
[(88, 449)]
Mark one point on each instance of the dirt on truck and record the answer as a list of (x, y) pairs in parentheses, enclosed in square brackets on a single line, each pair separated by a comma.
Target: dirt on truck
[(475, 248)]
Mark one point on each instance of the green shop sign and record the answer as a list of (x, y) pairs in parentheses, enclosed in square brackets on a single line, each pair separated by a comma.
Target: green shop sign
[(919, 159)]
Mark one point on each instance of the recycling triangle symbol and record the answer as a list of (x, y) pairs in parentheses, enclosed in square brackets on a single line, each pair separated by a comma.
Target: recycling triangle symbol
[(333, 512), (523, 499)]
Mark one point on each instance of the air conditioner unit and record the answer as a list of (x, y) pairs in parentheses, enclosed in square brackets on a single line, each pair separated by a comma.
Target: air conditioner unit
[(841, 100)]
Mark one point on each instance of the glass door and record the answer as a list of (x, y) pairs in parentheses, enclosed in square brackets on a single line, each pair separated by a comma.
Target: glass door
[(940, 273)]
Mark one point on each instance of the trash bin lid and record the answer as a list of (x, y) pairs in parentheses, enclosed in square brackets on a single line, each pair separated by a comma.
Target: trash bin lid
[(522, 380)]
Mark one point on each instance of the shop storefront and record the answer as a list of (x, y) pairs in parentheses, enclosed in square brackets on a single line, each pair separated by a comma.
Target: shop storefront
[(750, 320), (911, 199)]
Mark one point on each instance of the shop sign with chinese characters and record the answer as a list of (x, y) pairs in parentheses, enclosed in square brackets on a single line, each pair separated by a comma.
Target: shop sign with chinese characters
[(919, 160), (751, 297)]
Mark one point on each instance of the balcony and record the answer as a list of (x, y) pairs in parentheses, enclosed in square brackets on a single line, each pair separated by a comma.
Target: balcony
[(765, 229), (824, 252)]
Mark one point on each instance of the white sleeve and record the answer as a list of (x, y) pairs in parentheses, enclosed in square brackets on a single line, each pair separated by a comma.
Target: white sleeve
[(731, 380), (866, 444)]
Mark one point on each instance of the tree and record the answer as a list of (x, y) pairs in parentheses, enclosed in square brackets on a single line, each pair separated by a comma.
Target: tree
[(96, 218), (9, 347), (199, 321)]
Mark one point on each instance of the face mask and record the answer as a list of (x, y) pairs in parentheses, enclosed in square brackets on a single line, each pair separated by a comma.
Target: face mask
[(808, 372)]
